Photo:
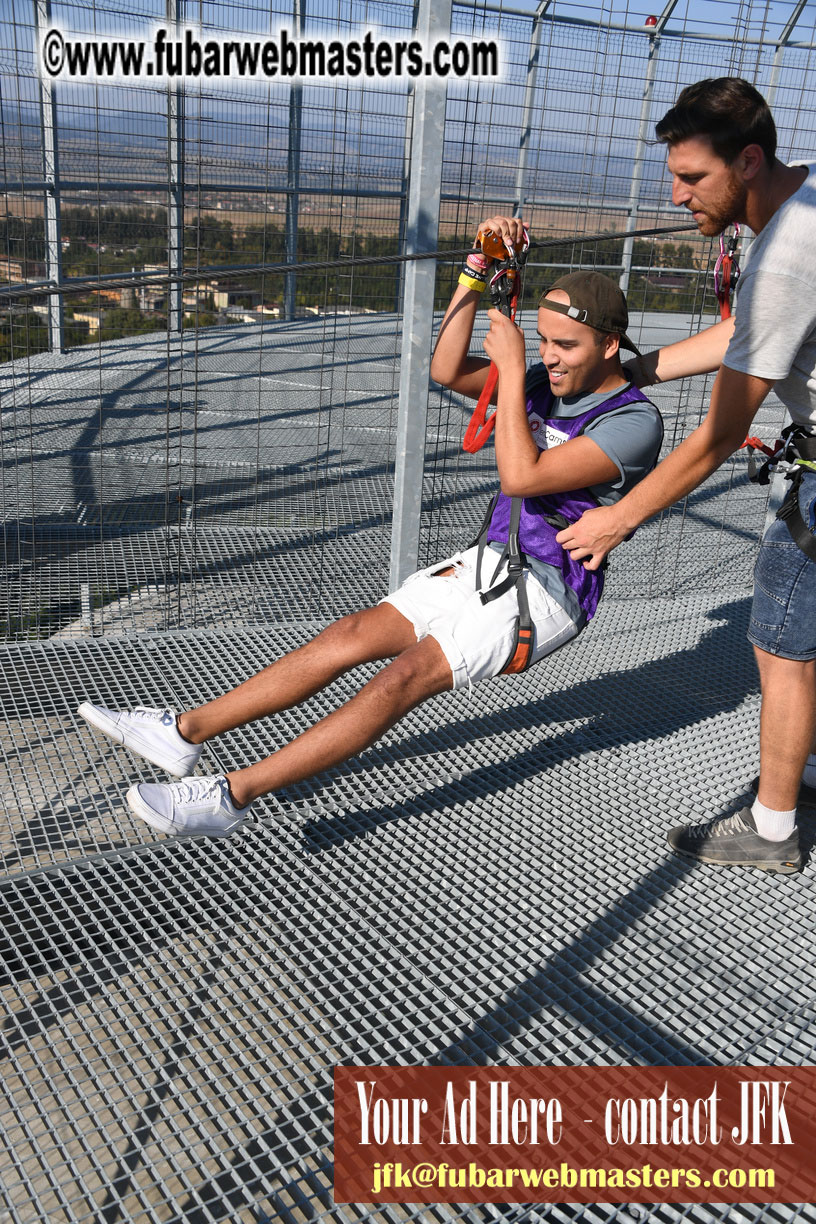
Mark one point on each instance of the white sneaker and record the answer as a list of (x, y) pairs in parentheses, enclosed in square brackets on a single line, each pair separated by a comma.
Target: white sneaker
[(151, 734), (195, 807)]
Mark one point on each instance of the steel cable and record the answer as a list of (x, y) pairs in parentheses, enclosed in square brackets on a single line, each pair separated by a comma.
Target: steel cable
[(113, 281)]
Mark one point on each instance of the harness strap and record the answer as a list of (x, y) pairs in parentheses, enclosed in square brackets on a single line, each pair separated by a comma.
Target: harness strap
[(481, 539), (794, 443), (522, 648), (511, 553), (806, 446), (791, 516)]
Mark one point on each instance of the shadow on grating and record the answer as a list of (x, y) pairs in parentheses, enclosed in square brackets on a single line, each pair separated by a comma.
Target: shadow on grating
[(488, 884)]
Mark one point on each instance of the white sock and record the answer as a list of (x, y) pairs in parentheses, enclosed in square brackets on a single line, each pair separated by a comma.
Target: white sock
[(809, 776), (773, 826)]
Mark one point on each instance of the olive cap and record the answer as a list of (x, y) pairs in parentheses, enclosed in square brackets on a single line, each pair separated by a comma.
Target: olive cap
[(594, 300)]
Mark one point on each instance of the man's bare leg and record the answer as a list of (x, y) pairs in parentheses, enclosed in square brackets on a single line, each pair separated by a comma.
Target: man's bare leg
[(787, 727), (765, 834), (417, 673), (364, 637)]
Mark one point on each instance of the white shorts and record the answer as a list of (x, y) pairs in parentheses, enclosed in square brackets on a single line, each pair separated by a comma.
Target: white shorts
[(477, 638)]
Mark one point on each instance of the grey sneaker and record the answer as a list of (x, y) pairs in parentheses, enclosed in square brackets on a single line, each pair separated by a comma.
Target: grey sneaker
[(806, 798), (194, 807), (150, 733), (733, 841)]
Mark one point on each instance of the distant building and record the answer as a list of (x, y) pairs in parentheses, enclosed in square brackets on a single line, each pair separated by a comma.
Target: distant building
[(110, 295), (226, 296), (240, 314), (20, 270), (153, 297), (93, 318), (195, 295), (666, 280)]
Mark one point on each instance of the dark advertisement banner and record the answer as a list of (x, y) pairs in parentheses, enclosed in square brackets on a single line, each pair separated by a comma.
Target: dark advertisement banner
[(575, 1134)]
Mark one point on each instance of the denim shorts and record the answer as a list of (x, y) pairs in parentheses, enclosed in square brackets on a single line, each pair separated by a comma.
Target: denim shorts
[(783, 614)]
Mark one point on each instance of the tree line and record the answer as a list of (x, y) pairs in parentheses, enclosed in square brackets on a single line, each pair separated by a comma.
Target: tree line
[(136, 237)]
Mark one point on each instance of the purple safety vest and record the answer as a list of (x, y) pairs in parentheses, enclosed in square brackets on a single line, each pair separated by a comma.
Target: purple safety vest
[(536, 534)]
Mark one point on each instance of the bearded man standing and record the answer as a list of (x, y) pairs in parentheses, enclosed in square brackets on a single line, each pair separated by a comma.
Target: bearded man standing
[(721, 143)]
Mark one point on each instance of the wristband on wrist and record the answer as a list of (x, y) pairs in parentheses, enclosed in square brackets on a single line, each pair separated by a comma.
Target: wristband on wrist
[(478, 287), (478, 261), (473, 279)]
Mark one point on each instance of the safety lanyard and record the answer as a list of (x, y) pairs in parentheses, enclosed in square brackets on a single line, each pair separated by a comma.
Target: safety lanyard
[(505, 288), (726, 271)]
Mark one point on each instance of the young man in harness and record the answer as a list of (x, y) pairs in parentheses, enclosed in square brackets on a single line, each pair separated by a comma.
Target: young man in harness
[(721, 143), (570, 434)]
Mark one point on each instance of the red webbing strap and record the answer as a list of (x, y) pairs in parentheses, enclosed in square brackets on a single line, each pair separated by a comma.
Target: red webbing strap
[(726, 271), (480, 426), (757, 444)]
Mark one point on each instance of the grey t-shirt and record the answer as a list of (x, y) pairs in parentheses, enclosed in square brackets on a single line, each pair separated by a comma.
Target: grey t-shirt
[(630, 436), (775, 316)]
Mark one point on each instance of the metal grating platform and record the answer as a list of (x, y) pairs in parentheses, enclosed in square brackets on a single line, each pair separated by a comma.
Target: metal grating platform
[(488, 884)]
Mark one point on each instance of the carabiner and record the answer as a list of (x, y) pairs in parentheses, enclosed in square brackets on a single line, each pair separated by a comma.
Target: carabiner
[(727, 269)]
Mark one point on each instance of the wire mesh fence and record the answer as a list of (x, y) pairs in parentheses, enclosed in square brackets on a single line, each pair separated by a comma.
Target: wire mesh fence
[(180, 412), (198, 470)]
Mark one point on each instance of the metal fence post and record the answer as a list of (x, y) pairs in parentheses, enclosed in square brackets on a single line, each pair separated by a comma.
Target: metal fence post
[(527, 114), (51, 180), (293, 174), (402, 223), (784, 39), (428, 134), (175, 187), (643, 135)]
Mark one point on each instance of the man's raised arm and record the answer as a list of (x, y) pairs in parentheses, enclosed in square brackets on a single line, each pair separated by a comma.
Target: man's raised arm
[(451, 364), (700, 354)]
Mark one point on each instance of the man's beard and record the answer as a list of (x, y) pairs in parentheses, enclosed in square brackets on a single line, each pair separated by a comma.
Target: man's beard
[(729, 208)]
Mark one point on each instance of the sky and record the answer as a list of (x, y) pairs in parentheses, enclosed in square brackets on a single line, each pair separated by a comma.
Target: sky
[(587, 103)]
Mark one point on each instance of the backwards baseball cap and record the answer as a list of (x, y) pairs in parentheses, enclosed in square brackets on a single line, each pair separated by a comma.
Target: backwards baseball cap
[(595, 300)]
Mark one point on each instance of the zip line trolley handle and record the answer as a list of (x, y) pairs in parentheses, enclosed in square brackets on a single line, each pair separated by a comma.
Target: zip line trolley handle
[(505, 284), (492, 245)]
